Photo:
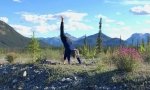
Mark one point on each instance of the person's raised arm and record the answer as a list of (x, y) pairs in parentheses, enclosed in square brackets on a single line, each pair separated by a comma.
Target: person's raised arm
[(62, 27)]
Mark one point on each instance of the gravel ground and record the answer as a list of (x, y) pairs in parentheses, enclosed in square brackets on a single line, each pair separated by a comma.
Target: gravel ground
[(33, 77)]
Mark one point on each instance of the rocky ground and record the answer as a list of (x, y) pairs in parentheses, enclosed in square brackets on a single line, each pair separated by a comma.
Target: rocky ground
[(36, 77)]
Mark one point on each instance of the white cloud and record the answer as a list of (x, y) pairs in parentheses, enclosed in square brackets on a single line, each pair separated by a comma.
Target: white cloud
[(69, 15), (77, 26), (141, 10), (72, 16), (109, 20), (147, 21), (136, 2), (146, 30), (18, 1), (40, 19), (105, 18), (4, 19), (45, 28), (49, 22), (124, 31), (128, 2), (120, 23), (23, 30)]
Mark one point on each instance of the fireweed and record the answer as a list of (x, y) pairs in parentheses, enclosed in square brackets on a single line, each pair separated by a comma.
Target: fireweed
[(127, 59)]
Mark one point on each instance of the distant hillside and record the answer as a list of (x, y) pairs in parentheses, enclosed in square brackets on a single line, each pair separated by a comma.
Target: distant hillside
[(91, 40), (137, 37), (107, 41), (56, 41), (114, 42), (9, 38)]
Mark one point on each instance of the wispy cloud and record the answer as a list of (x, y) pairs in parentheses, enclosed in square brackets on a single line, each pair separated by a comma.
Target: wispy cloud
[(35, 18), (5, 19), (123, 31), (44, 23), (24, 30), (18, 1), (147, 21), (128, 2), (141, 10), (109, 20)]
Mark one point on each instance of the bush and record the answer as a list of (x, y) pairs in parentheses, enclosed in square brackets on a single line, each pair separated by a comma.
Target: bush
[(126, 59), (146, 54), (11, 57), (146, 57)]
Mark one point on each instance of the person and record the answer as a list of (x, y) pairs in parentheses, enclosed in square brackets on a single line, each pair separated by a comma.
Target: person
[(70, 50)]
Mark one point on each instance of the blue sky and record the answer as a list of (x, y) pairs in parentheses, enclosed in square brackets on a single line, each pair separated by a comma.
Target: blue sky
[(120, 17)]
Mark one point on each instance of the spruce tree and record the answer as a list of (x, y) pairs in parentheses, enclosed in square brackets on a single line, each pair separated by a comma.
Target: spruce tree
[(142, 46), (120, 41), (99, 38), (85, 47), (85, 41), (34, 48), (137, 44), (148, 40), (132, 42)]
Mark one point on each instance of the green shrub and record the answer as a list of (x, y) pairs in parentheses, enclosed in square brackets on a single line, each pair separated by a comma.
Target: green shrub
[(11, 57), (146, 57), (34, 48), (146, 54)]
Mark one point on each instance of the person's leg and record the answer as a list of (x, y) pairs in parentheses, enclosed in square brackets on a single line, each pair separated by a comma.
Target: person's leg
[(68, 56), (77, 55), (65, 56)]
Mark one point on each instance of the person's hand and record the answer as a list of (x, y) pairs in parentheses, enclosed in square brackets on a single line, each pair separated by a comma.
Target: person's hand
[(62, 19)]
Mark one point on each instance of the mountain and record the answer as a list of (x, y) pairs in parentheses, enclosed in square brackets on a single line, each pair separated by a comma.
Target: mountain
[(71, 37), (107, 41), (91, 40), (137, 38), (56, 41), (9, 38), (114, 42)]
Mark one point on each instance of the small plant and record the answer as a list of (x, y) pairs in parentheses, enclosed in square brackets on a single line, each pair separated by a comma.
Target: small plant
[(11, 57), (126, 59), (146, 54), (34, 48)]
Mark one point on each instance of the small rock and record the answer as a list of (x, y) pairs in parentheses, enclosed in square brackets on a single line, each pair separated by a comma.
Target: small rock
[(14, 86), (14, 81), (63, 79), (24, 73), (68, 79), (36, 71), (20, 88), (75, 78), (36, 87), (4, 72), (13, 68), (46, 88), (53, 88)]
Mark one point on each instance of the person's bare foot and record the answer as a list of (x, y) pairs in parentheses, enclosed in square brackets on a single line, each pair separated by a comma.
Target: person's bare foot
[(64, 62)]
